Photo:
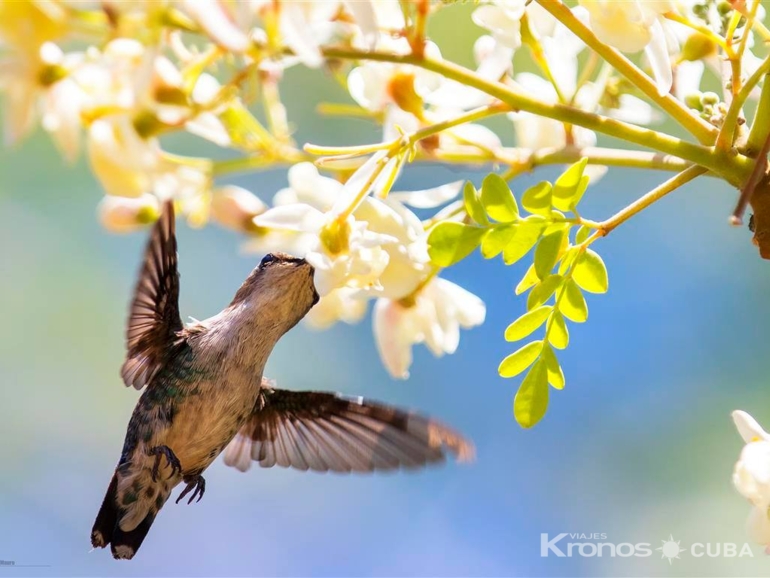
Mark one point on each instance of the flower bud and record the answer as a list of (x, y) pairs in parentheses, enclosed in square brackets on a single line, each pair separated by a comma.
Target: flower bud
[(693, 100), (235, 208), (124, 214), (709, 99), (698, 46)]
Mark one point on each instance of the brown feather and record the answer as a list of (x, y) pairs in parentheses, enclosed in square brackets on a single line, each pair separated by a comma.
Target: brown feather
[(328, 432), (154, 319)]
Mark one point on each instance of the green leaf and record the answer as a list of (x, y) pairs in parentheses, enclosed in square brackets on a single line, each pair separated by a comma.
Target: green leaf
[(450, 242), (590, 272), (581, 189), (555, 373), (473, 205), (527, 234), (573, 304), (558, 334), (496, 239), (567, 186), (543, 291), (528, 281), (582, 234), (527, 323), (498, 199), (547, 253), (520, 359), (568, 258), (531, 400), (537, 199)]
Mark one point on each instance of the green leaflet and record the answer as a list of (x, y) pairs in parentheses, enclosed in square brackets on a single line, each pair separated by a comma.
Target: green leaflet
[(527, 323), (473, 205), (569, 187), (543, 291), (496, 240), (573, 303), (520, 359), (590, 273), (553, 369), (527, 234), (531, 400), (558, 334), (547, 252), (537, 199), (498, 200), (529, 280), (450, 242)]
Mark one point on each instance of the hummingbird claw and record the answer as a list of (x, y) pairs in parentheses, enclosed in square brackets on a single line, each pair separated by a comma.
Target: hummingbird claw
[(173, 461), (198, 484)]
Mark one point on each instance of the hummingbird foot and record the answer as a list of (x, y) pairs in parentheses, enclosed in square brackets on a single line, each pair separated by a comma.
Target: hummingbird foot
[(173, 461), (196, 483)]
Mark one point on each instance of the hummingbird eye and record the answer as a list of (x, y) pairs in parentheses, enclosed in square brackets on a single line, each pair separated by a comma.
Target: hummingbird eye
[(267, 259)]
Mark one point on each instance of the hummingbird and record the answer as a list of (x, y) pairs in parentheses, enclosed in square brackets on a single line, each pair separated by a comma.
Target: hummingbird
[(205, 394)]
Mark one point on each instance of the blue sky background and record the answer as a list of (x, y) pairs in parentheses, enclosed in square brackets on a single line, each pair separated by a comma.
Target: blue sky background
[(639, 445)]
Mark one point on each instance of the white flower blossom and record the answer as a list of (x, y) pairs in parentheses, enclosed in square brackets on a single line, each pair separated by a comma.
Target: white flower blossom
[(435, 317), (124, 215), (751, 476), (634, 26)]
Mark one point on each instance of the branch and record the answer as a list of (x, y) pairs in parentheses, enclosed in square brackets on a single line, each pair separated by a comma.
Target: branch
[(733, 169), (703, 131), (606, 227)]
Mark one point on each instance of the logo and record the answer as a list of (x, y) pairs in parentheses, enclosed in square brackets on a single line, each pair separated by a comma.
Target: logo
[(597, 545)]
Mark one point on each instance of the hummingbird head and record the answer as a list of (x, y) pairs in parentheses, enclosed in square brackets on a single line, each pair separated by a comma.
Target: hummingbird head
[(281, 287)]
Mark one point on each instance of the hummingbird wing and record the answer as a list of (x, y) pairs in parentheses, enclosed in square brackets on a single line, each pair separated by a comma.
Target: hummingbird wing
[(154, 319), (329, 432)]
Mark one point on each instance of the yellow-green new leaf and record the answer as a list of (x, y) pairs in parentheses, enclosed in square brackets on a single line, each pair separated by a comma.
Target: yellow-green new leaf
[(558, 334), (553, 369), (527, 323), (590, 273), (473, 205), (527, 234), (547, 252), (450, 242), (498, 200), (496, 240), (582, 234), (520, 359), (573, 303), (566, 189), (537, 199), (528, 281), (543, 291), (531, 401)]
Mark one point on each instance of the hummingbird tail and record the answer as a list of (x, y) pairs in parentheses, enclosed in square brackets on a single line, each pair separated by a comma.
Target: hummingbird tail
[(123, 543)]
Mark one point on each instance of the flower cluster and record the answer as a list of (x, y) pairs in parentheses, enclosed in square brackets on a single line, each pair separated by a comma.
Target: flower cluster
[(112, 78)]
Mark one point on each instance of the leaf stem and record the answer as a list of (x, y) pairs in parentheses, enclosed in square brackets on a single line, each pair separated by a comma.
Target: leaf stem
[(607, 226)]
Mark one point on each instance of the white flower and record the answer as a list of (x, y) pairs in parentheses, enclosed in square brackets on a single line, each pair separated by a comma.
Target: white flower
[(123, 215), (433, 317), (235, 207), (129, 166), (632, 26), (503, 19), (493, 60), (343, 304), (751, 476), (45, 85), (344, 253), (378, 85)]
